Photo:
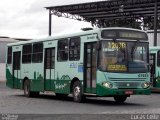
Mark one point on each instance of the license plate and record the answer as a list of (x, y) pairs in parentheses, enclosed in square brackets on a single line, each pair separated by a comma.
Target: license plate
[(129, 92)]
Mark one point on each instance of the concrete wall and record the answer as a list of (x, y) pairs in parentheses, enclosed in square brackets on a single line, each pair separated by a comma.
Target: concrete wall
[(3, 44), (2, 71), (3, 51)]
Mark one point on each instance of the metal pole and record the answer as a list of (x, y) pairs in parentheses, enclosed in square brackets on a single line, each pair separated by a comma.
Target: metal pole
[(155, 24), (50, 23)]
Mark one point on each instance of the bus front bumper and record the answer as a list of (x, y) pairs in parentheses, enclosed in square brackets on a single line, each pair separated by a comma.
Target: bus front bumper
[(103, 91)]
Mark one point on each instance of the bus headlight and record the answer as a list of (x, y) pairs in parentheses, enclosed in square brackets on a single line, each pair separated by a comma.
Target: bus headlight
[(145, 85), (107, 85)]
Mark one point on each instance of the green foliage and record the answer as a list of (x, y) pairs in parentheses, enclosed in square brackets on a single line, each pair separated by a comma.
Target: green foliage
[(145, 23), (130, 23), (149, 22)]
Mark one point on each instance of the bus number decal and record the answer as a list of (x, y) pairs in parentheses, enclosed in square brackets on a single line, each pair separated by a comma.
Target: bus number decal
[(143, 75)]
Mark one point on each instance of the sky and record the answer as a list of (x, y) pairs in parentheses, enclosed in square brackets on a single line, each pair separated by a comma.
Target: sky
[(29, 18)]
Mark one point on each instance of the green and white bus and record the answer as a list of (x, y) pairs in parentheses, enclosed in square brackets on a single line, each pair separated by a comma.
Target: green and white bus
[(110, 62), (155, 67)]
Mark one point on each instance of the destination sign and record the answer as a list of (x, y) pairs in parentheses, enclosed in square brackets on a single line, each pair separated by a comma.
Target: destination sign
[(124, 34), (117, 68), (128, 34)]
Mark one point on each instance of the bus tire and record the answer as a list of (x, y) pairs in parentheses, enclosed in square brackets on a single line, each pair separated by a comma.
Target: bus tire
[(27, 91), (27, 88), (77, 92), (120, 99)]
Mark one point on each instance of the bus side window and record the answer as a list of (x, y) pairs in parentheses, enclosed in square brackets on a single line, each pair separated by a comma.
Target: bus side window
[(26, 53), (158, 58), (74, 49), (9, 55), (37, 55), (62, 50)]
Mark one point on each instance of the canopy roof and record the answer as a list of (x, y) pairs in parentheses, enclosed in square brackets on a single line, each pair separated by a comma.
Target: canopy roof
[(107, 10), (102, 13)]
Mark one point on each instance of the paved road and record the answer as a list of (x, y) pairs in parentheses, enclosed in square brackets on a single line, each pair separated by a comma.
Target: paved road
[(13, 101)]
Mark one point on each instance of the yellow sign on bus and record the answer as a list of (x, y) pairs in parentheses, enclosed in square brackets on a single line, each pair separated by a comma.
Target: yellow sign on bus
[(114, 45), (117, 68)]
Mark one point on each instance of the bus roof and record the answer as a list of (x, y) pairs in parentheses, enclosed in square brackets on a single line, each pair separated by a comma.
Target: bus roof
[(82, 33)]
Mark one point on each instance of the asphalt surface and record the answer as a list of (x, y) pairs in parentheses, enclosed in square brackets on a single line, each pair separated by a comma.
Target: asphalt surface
[(14, 102)]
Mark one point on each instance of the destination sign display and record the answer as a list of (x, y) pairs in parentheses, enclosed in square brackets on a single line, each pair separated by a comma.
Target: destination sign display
[(117, 68), (124, 34), (113, 45), (128, 34)]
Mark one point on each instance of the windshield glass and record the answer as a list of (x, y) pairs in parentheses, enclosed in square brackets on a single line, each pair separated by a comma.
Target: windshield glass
[(123, 56)]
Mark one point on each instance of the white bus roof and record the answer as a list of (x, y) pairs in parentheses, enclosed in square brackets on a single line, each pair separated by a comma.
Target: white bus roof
[(69, 35)]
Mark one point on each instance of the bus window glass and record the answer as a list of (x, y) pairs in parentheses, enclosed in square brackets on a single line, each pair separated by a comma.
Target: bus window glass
[(74, 48), (62, 50), (140, 53), (123, 57), (9, 55), (37, 55), (26, 53), (158, 58), (113, 56), (53, 59), (137, 52)]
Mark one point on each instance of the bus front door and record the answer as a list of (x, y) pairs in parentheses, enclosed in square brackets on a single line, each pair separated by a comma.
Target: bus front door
[(152, 61), (49, 68), (16, 69), (90, 60)]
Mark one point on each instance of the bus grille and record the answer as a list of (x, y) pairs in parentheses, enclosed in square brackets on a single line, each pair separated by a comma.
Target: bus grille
[(127, 84), (127, 79)]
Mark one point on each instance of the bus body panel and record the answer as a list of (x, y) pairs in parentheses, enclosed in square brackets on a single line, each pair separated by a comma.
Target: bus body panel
[(122, 82), (59, 79), (155, 79)]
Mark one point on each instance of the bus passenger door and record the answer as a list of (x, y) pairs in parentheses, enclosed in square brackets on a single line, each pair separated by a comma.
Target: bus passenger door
[(16, 69), (90, 61), (152, 61), (49, 68)]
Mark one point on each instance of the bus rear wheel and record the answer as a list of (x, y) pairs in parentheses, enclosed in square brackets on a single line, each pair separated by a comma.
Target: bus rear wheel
[(77, 92), (27, 91), (120, 99)]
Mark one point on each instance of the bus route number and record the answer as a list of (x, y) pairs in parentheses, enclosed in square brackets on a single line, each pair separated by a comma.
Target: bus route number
[(113, 45)]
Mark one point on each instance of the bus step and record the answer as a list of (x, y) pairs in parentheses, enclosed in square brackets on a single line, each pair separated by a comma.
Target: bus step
[(90, 94)]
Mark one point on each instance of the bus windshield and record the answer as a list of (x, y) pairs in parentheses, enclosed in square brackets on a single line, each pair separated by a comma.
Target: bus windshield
[(123, 56)]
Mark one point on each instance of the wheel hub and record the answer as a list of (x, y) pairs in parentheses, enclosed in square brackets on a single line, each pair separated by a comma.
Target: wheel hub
[(77, 91)]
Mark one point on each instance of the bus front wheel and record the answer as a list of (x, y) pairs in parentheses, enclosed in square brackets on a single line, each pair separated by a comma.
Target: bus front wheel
[(120, 99), (77, 92)]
